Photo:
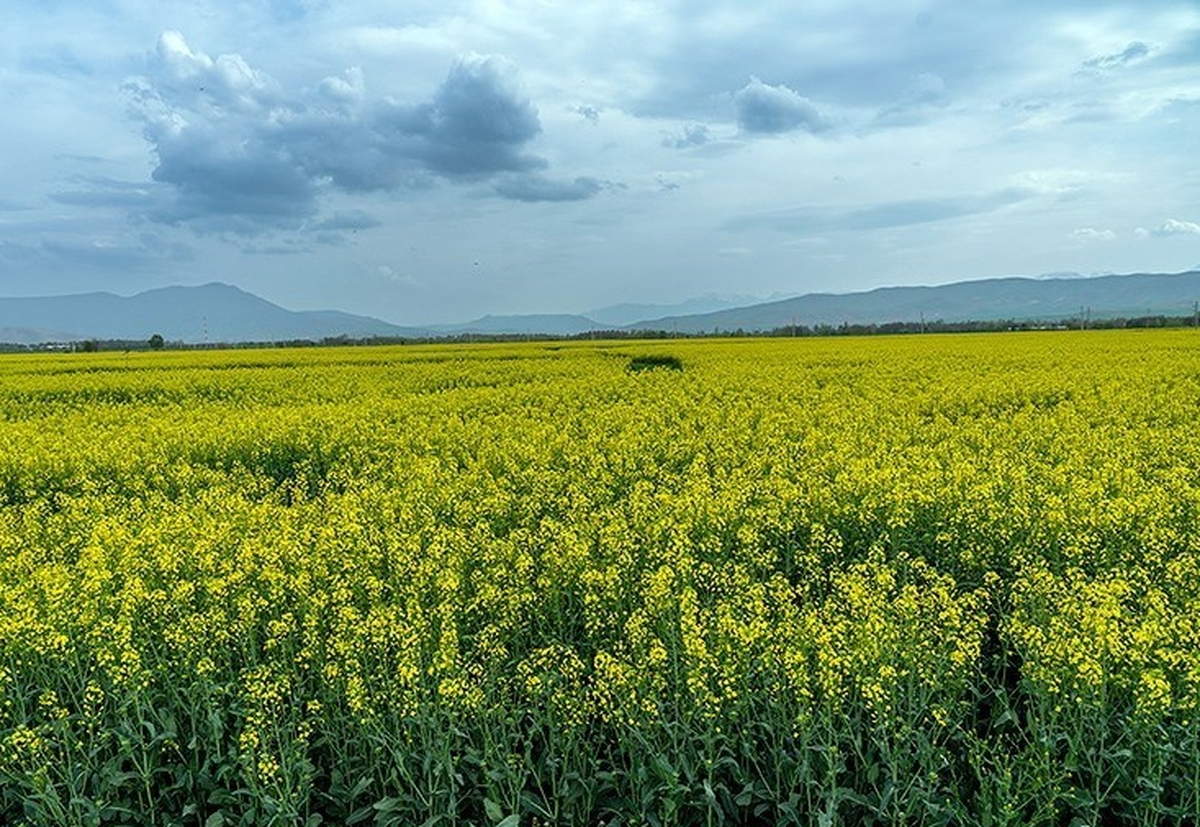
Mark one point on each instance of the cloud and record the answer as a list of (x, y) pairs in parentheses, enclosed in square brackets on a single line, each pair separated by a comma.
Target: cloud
[(856, 59), (928, 210), (348, 220), (76, 253), (1063, 183), (878, 217), (102, 191), (391, 275), (346, 91), (694, 135), (216, 172), (281, 247), (479, 121), (1092, 234), (1172, 227), (1133, 52), (539, 188), (766, 110), (239, 154), (195, 79), (925, 94)]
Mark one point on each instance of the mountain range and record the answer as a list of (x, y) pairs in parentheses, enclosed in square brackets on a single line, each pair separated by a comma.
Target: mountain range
[(1015, 298), (223, 313), (208, 313)]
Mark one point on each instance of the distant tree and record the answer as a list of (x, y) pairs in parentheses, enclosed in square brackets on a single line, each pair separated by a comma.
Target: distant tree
[(156, 342), (89, 346)]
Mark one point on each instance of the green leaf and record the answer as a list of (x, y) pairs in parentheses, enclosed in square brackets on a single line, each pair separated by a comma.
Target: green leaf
[(510, 821), (387, 805), (494, 813), (359, 816), (217, 819)]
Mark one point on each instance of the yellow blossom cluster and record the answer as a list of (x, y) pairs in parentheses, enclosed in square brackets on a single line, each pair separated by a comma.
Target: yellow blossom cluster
[(294, 555)]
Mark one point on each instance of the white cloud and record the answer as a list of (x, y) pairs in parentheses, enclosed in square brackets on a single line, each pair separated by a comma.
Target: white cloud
[(347, 90), (1059, 181), (390, 274), (1170, 227), (226, 81), (1173, 226), (1093, 234)]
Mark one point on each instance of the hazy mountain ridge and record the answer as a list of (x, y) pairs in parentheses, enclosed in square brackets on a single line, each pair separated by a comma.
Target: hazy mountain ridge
[(555, 324), (1017, 298), (212, 312), (222, 313), (627, 313)]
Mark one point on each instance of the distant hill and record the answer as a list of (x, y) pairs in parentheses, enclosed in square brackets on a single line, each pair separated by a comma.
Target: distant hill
[(552, 324), (223, 313), (212, 312), (619, 315), (1024, 299)]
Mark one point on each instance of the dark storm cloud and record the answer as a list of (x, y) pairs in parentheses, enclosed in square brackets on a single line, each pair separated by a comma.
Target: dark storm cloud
[(478, 122), (765, 109), (477, 125), (539, 188), (214, 173), (241, 155)]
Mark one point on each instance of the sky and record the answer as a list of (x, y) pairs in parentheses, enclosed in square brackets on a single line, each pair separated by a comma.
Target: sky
[(428, 162)]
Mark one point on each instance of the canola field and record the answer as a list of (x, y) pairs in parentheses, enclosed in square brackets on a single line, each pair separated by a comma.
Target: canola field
[(935, 580)]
